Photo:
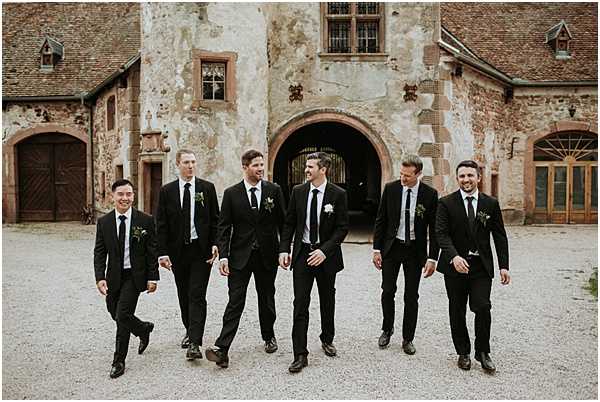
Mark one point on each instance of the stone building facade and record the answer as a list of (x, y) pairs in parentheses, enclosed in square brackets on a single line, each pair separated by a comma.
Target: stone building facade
[(367, 82)]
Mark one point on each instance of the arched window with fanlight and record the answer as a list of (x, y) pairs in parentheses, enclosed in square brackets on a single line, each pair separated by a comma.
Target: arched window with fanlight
[(336, 173), (566, 176)]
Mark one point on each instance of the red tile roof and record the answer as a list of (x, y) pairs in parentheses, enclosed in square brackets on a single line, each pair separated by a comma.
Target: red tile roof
[(511, 37), (98, 38)]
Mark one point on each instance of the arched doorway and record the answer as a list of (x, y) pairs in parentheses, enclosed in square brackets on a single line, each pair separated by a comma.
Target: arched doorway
[(566, 178), (356, 166), (51, 175)]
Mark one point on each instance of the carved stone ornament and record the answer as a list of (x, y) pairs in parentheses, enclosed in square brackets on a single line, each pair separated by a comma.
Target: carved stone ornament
[(410, 93), (296, 93)]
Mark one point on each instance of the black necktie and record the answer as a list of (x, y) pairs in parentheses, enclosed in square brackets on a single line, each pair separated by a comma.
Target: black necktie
[(471, 211), (122, 239), (187, 214), (314, 225), (253, 200), (407, 217)]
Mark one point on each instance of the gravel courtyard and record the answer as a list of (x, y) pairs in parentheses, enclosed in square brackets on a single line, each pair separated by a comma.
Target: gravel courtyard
[(58, 338)]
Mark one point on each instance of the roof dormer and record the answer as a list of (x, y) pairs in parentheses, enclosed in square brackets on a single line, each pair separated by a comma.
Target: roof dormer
[(51, 52), (558, 37)]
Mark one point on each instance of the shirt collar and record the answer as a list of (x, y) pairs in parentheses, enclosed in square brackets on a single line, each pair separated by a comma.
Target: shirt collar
[(414, 189), (249, 186), (182, 182), (321, 188), (475, 195), (127, 214)]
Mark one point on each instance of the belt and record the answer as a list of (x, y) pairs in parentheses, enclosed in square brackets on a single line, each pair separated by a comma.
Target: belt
[(312, 247), (192, 241)]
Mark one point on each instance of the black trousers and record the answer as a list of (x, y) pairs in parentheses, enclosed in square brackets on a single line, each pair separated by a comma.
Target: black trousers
[(304, 276), (474, 287), (191, 278), (121, 306), (400, 254), (237, 282)]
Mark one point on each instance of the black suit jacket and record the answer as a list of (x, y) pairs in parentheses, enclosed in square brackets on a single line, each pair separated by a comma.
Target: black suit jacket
[(169, 219), (388, 220), (238, 224), (142, 251), (455, 236), (333, 227)]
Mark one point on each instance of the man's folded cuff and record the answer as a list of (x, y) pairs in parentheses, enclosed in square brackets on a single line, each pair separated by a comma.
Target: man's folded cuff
[(154, 282), (432, 260)]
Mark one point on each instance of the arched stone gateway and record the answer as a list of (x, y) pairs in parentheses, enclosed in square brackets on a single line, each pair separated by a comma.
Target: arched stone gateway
[(46, 174), (361, 161), (561, 175)]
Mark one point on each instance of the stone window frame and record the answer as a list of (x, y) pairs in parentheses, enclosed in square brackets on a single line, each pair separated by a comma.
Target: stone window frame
[(230, 59), (112, 94), (353, 55)]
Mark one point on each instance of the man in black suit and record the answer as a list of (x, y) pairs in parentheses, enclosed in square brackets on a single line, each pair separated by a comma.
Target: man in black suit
[(465, 221), (251, 219), (317, 218), (127, 237), (405, 218), (186, 222)]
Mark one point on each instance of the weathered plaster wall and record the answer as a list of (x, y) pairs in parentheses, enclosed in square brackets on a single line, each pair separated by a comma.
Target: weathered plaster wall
[(370, 90), (20, 116), (219, 135), (110, 147), (482, 127)]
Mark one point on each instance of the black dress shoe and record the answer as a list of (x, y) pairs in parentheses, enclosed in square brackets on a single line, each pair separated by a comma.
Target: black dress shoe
[(218, 356), (384, 339), (329, 349), (271, 345), (185, 342), (117, 369), (298, 364), (193, 352), (408, 348), (486, 361), (145, 339), (464, 362)]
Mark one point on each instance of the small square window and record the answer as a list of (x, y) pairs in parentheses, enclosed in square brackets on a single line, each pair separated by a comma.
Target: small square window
[(214, 78)]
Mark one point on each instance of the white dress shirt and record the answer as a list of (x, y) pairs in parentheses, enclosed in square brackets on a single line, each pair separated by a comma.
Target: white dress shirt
[(182, 183), (127, 215), (475, 196), (413, 205), (320, 195), (257, 192)]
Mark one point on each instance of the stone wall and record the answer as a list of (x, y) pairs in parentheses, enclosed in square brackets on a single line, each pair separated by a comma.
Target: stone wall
[(495, 132), (370, 90), (170, 34)]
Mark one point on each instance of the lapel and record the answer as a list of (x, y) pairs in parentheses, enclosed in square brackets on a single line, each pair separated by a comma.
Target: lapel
[(460, 205), (174, 190), (480, 204), (197, 205), (241, 189), (420, 195), (326, 200), (112, 228), (398, 196), (303, 197), (133, 223), (264, 194)]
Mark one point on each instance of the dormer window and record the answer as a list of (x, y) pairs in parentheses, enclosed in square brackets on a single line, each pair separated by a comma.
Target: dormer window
[(558, 37), (51, 52)]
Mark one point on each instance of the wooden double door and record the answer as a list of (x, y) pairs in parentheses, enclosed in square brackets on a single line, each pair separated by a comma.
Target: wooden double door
[(51, 178), (566, 192)]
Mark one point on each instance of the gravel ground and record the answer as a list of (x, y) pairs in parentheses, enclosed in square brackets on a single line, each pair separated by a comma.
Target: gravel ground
[(58, 337)]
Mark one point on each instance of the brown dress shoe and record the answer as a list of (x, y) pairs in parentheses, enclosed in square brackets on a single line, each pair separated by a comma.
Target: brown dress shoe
[(271, 345), (408, 348), (298, 364), (219, 356), (486, 361), (384, 339)]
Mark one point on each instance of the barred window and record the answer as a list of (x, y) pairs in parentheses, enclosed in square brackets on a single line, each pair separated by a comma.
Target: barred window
[(335, 174), (353, 27), (214, 79)]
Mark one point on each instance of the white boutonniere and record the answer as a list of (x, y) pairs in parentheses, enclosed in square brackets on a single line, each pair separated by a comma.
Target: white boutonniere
[(269, 204), (420, 210), (328, 209), (199, 197), (483, 217), (137, 232)]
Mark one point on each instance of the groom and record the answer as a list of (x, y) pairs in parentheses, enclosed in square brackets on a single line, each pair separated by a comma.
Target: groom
[(465, 220), (317, 218)]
